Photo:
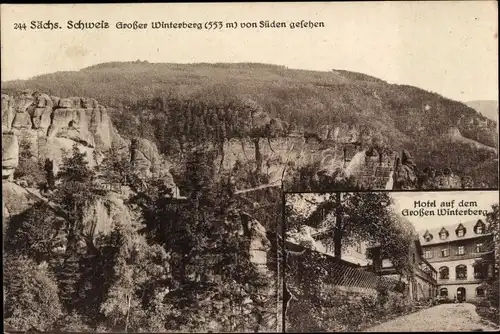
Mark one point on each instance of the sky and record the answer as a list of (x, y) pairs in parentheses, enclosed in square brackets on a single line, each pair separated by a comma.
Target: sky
[(446, 47), (405, 200)]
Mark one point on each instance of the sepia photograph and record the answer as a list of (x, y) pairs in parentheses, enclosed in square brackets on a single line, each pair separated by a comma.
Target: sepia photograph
[(149, 152), (375, 262)]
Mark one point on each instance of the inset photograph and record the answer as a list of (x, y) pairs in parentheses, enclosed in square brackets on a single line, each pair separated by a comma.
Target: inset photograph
[(391, 261)]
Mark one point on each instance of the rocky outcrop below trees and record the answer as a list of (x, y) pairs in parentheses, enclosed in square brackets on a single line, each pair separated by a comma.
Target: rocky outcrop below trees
[(351, 154)]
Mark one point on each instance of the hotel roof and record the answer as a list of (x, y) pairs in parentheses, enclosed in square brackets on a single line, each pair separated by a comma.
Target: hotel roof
[(452, 232)]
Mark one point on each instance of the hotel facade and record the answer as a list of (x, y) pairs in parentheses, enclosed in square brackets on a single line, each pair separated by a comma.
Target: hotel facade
[(454, 252)]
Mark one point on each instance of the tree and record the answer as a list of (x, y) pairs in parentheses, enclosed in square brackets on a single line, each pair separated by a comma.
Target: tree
[(349, 217), (346, 218), (35, 232), (117, 169), (31, 294), (28, 168), (76, 192), (139, 268), (209, 250), (492, 257)]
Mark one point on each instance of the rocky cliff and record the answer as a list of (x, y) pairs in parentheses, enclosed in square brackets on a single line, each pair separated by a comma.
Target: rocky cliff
[(48, 125), (280, 158)]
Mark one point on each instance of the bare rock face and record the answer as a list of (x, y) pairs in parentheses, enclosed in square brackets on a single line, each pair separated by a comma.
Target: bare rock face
[(81, 120), (50, 125), (280, 158), (72, 124), (259, 246), (145, 156), (342, 133), (15, 199), (8, 112), (405, 175), (22, 105), (10, 154), (41, 111), (100, 217)]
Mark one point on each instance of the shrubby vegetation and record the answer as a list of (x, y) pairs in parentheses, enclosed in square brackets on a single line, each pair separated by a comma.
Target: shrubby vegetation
[(340, 311)]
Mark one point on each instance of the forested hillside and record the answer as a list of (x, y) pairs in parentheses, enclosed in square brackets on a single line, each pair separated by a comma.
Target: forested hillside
[(487, 108), (181, 105)]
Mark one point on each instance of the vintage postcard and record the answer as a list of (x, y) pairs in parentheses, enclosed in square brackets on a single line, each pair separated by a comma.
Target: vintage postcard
[(149, 152)]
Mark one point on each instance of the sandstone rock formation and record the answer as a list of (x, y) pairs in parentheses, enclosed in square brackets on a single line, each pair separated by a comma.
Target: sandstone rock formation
[(10, 154), (405, 175), (279, 158), (52, 125), (15, 199)]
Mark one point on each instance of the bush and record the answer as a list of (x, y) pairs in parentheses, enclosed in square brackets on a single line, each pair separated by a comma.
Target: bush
[(486, 310), (31, 172), (346, 311), (28, 168), (303, 316)]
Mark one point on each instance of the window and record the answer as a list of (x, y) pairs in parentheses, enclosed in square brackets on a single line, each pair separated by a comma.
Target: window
[(443, 292), (481, 271), (443, 234), (461, 250), (479, 292), (444, 273), (461, 271), (427, 236), (358, 247), (413, 256), (445, 252), (323, 214), (427, 254), (479, 227), (479, 248), (460, 231)]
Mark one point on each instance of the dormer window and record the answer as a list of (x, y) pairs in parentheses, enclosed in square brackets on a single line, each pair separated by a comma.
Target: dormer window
[(427, 236), (460, 231), (443, 234), (479, 227), (358, 247)]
